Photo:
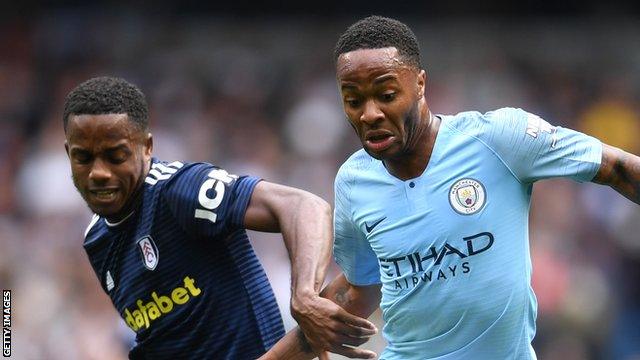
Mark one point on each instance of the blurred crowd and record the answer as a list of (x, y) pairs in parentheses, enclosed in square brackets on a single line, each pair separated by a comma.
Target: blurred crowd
[(258, 96)]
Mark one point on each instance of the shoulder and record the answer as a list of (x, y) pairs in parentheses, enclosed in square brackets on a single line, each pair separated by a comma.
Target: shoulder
[(476, 124), (357, 163), (176, 176), (164, 173), (94, 230)]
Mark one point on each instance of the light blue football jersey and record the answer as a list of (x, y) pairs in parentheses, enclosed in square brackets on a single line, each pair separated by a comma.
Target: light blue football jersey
[(451, 247)]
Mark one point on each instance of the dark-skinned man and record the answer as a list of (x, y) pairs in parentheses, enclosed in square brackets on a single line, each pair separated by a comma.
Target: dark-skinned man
[(431, 216), (168, 241)]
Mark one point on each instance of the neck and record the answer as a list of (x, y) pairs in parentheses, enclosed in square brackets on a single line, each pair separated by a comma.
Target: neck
[(411, 163), (128, 208)]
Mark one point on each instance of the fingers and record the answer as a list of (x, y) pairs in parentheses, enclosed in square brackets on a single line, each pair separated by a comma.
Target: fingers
[(364, 326), (359, 332), (340, 333), (353, 341), (354, 353), (339, 327), (323, 356), (334, 342)]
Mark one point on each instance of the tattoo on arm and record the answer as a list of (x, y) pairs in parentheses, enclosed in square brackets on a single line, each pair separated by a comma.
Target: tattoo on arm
[(341, 296), (629, 171), (621, 171)]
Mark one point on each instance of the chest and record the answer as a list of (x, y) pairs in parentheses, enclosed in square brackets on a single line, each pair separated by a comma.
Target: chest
[(448, 210)]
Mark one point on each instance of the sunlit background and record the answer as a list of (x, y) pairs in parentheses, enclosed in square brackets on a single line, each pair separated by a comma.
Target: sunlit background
[(252, 89)]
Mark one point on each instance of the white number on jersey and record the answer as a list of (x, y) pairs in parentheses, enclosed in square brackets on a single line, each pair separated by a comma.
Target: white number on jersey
[(535, 124), (162, 172), (218, 179)]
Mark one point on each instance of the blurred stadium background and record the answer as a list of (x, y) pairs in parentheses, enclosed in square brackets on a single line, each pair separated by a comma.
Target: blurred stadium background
[(251, 88)]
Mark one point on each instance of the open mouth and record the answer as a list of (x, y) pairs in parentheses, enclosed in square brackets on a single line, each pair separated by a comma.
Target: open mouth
[(379, 140), (104, 195)]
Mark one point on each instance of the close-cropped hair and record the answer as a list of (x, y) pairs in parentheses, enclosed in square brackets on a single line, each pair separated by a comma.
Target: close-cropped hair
[(376, 32), (107, 95)]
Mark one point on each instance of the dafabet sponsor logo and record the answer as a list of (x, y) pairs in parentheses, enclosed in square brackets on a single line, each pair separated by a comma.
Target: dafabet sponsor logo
[(156, 306)]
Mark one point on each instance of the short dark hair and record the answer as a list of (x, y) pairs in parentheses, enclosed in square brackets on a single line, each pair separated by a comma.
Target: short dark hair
[(376, 32), (107, 95)]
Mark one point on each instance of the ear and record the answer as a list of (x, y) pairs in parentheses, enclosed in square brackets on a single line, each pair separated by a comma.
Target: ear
[(148, 146), (66, 148), (422, 83)]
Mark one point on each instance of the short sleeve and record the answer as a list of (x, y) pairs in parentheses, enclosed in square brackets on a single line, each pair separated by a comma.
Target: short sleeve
[(351, 249), (207, 201), (533, 149)]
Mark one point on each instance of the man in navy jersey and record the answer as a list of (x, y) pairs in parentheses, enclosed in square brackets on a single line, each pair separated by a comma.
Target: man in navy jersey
[(168, 242), (431, 215)]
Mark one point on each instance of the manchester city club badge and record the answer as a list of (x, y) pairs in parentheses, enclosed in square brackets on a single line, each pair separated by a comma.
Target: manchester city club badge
[(467, 196)]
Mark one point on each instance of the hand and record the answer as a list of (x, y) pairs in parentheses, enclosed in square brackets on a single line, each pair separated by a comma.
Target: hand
[(328, 327)]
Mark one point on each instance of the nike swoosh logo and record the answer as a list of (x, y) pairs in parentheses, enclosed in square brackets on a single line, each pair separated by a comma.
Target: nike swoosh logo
[(369, 228)]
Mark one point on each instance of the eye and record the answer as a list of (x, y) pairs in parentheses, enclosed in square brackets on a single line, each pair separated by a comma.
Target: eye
[(354, 103), (118, 157), (82, 158), (388, 97)]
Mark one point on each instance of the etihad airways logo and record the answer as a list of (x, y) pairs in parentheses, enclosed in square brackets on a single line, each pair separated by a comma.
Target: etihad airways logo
[(151, 309), (409, 270)]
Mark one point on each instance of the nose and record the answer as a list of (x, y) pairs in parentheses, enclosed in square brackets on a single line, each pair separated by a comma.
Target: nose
[(371, 113), (100, 172)]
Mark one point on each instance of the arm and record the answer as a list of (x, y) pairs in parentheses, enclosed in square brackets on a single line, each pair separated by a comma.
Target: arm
[(357, 300), (305, 222), (621, 171)]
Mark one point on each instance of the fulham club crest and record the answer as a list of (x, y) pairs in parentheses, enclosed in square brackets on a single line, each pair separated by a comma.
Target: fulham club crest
[(467, 196), (149, 252)]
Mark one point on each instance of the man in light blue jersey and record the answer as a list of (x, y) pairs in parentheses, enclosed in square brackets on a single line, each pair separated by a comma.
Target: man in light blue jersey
[(431, 216)]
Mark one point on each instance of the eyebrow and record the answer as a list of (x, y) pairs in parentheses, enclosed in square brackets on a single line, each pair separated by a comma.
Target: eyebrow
[(348, 86), (75, 150), (384, 78), (377, 81), (116, 148), (108, 150)]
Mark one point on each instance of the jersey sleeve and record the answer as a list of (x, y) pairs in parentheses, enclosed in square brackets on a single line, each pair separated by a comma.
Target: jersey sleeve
[(533, 149), (207, 201), (351, 249)]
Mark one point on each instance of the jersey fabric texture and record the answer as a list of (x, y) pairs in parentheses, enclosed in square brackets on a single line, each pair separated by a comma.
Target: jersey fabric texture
[(180, 269), (451, 247)]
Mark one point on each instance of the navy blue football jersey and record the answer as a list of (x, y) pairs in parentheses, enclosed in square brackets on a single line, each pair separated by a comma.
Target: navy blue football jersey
[(180, 269)]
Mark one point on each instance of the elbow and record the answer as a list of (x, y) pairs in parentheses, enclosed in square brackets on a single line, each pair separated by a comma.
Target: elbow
[(311, 201), (324, 207)]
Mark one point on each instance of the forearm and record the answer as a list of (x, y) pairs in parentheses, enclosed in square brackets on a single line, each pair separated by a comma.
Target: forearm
[(307, 231), (305, 223), (621, 171), (361, 301)]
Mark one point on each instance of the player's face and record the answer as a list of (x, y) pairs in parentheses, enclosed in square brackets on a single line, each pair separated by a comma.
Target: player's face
[(109, 159), (380, 95)]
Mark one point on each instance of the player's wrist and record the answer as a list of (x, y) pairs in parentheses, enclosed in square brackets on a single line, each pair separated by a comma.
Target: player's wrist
[(302, 300)]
